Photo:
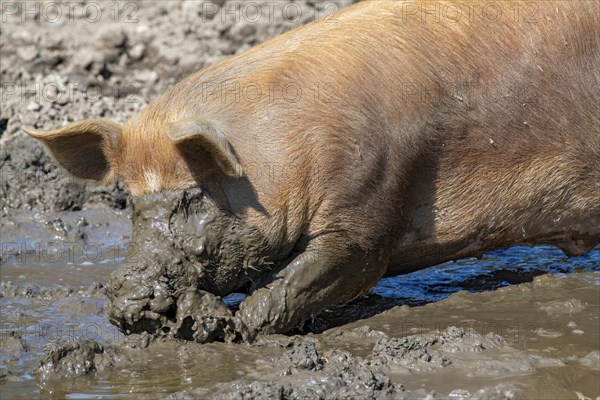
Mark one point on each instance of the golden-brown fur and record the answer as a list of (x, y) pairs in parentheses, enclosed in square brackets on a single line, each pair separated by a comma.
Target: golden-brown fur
[(434, 137)]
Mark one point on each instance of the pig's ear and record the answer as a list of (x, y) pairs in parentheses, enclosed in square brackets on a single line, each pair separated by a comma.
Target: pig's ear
[(83, 148), (193, 135)]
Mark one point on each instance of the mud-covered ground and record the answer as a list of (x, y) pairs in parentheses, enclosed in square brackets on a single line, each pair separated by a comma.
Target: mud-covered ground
[(531, 332)]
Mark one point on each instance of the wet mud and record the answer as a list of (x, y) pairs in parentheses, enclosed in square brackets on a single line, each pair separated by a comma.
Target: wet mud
[(519, 323), (422, 335)]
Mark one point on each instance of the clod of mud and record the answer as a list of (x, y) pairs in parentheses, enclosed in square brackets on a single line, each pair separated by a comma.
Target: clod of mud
[(304, 374), (428, 352), (68, 359), (412, 352), (203, 317), (183, 242), (304, 356), (12, 346), (307, 370)]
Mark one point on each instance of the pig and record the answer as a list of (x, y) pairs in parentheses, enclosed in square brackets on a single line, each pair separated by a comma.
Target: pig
[(378, 141)]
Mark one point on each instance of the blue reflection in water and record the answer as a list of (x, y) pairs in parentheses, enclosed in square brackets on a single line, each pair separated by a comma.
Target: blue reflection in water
[(496, 269)]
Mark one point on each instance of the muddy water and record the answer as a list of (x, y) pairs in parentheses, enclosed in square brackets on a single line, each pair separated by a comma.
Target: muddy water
[(519, 321)]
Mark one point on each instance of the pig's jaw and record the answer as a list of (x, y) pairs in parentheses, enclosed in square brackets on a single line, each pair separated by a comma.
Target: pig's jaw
[(181, 240)]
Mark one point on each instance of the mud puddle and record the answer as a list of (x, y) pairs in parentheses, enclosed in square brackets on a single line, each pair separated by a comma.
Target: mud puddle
[(525, 336)]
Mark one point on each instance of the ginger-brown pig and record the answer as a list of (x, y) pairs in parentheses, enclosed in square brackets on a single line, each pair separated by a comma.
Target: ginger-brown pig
[(386, 138)]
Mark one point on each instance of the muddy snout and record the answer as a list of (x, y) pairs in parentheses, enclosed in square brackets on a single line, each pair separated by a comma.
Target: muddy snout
[(184, 253), (139, 301), (141, 304), (168, 302), (143, 293)]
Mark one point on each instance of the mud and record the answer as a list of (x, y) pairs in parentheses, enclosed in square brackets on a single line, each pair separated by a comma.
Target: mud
[(306, 371), (69, 359), (529, 340), (187, 251), (422, 335)]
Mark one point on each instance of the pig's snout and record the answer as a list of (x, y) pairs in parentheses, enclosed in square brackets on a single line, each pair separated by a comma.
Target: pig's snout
[(143, 293), (139, 303), (184, 250)]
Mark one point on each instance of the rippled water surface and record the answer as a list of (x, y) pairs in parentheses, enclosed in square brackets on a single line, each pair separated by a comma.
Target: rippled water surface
[(495, 269)]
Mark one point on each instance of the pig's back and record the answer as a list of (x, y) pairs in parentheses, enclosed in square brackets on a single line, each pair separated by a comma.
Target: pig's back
[(378, 87)]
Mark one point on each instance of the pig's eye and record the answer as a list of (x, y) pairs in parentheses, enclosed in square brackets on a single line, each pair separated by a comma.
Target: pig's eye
[(190, 202), (192, 196), (190, 207)]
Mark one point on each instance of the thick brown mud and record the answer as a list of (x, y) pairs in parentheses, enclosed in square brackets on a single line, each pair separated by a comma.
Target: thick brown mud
[(531, 340), (526, 337)]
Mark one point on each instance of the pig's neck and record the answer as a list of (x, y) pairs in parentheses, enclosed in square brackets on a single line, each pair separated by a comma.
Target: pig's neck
[(462, 207)]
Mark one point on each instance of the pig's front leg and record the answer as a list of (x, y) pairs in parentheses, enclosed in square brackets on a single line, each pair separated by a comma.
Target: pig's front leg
[(327, 273)]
